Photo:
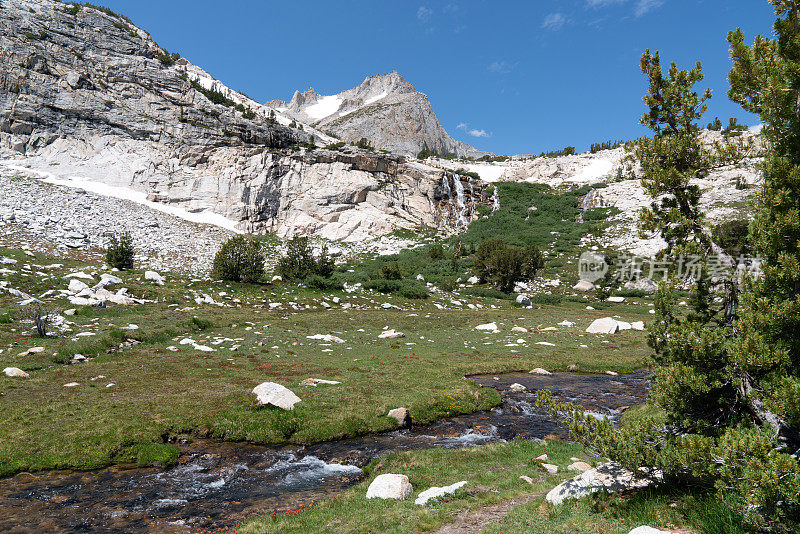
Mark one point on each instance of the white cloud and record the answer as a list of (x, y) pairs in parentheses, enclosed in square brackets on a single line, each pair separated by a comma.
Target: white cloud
[(645, 6), (640, 8), (554, 21), (474, 132), (604, 3), (501, 67), (424, 14)]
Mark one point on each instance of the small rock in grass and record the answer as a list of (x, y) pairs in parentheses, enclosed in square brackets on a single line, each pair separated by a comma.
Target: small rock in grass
[(612, 373), (638, 325), (644, 529), (390, 334), (70, 311), (401, 415), (579, 466), (32, 350), (541, 458), (316, 381), (275, 394), (573, 367), (15, 372), (550, 468), (520, 329), (390, 486), (527, 479), (583, 285), (539, 371), (435, 492), (154, 277), (491, 327), (616, 299), (71, 385)]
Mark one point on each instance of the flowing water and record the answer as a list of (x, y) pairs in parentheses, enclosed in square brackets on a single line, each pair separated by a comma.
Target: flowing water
[(217, 484)]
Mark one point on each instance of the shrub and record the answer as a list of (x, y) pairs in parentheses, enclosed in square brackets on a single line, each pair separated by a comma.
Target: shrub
[(119, 253), (299, 262), (410, 289), (544, 298), (365, 144), (200, 324), (41, 318), (391, 271), (239, 259), (168, 59), (316, 281), (504, 266), (436, 252)]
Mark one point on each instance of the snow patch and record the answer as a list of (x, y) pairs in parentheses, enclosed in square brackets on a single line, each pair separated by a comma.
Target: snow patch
[(326, 106), (126, 193)]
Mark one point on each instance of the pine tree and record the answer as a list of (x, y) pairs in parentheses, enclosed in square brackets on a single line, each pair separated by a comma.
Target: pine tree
[(729, 390)]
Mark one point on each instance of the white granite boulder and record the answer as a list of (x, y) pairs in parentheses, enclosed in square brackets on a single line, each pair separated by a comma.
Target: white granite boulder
[(606, 325), (436, 492), (390, 486), (270, 393)]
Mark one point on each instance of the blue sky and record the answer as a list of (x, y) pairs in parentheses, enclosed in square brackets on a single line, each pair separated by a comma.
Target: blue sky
[(506, 76)]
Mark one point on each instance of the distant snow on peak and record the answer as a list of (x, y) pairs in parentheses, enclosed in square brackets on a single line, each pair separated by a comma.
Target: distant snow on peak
[(325, 107)]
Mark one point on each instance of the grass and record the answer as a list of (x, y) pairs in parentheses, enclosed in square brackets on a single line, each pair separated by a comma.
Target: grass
[(492, 473), (159, 393)]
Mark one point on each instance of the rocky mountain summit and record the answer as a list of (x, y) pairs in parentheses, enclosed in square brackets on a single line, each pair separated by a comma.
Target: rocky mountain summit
[(87, 98), (385, 109)]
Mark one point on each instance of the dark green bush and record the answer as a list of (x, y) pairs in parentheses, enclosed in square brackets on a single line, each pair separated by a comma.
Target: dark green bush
[(544, 298), (410, 289), (299, 262), (239, 259), (391, 271), (120, 251), (316, 281), (504, 266)]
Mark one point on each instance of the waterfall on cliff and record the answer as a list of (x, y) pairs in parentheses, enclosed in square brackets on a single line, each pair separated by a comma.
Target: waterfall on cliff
[(495, 200), (460, 200)]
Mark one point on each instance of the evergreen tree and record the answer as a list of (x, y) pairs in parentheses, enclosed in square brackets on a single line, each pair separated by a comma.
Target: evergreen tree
[(729, 390)]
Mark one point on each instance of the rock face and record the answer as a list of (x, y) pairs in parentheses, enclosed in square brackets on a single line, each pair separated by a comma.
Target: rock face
[(86, 99), (390, 486), (385, 109), (275, 395)]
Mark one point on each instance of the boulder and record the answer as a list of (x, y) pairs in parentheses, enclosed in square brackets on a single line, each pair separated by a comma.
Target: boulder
[(579, 466), (154, 277), (644, 529), (15, 372), (642, 284), (316, 381), (550, 468), (523, 300), (76, 286), (606, 325), (436, 492), (401, 415), (610, 477), (491, 327), (622, 325), (32, 350), (328, 338), (539, 371), (520, 329), (638, 325), (616, 299), (276, 395), (390, 334), (473, 280), (390, 486), (517, 388), (583, 285)]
